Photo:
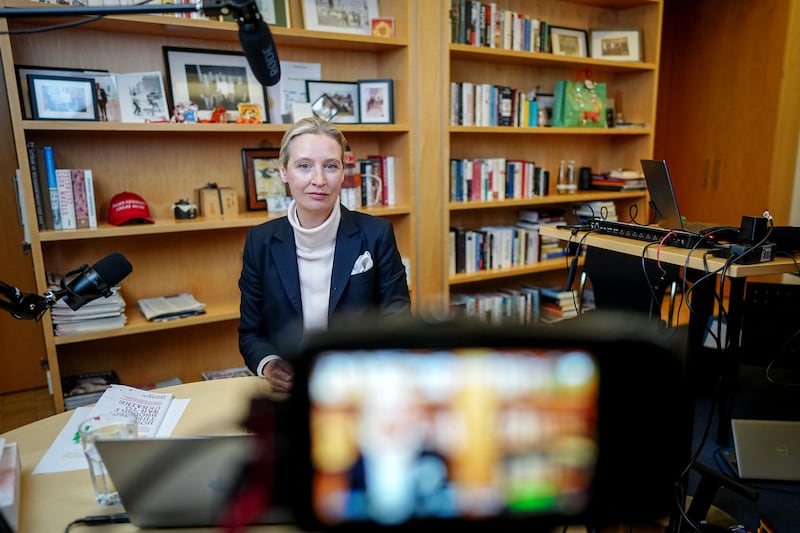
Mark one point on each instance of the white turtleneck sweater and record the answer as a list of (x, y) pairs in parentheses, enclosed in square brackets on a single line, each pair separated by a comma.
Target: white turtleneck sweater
[(315, 247)]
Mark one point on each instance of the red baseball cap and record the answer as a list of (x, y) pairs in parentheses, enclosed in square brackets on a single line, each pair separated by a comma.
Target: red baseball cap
[(128, 207)]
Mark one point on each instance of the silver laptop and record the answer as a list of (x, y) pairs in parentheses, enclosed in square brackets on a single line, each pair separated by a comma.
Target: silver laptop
[(664, 202), (767, 449), (180, 482)]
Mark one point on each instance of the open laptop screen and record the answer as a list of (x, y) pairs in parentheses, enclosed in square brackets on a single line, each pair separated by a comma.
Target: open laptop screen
[(662, 194)]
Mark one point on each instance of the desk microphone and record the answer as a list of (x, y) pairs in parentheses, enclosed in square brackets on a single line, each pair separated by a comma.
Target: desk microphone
[(78, 288)]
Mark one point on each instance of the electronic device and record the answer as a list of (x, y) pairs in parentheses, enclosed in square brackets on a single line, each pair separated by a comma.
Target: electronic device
[(767, 449), (182, 481), (467, 426)]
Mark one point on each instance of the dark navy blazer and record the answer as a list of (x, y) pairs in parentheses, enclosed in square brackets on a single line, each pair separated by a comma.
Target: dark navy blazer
[(271, 309)]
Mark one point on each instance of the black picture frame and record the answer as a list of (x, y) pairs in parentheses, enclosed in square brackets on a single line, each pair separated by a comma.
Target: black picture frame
[(343, 93), (376, 101), (22, 72), (62, 98), (192, 75), (264, 189), (568, 41)]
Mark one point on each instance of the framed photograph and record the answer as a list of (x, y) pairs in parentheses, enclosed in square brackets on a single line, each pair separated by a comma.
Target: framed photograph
[(376, 103), (324, 108), (568, 42), (22, 80), (212, 80), (274, 12), (344, 95), (263, 185), (352, 16), (62, 98), (545, 102), (616, 45), (142, 97)]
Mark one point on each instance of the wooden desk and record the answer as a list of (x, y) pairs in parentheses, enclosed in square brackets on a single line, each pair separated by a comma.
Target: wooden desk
[(702, 300), (51, 501)]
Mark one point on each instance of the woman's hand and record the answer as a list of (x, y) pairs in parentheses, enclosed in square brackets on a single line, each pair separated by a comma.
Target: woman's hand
[(280, 375)]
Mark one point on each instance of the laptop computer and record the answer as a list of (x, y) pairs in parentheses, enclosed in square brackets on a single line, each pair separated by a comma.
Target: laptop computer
[(767, 449), (664, 203), (181, 482)]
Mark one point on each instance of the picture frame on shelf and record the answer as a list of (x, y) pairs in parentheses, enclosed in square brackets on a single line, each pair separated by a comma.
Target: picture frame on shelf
[(616, 44), (275, 12), (62, 98), (264, 188), (545, 102), (349, 17), (324, 107), (142, 97), (376, 101), (22, 72), (344, 94), (212, 79), (568, 41)]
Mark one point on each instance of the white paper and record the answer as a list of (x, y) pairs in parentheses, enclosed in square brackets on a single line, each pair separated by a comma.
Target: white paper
[(291, 88), (66, 453)]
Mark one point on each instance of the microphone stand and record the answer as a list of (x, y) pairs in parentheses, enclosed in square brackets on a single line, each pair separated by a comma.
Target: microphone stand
[(25, 306)]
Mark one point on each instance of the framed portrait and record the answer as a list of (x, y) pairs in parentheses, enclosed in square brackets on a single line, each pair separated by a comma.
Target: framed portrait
[(344, 95), (354, 16), (62, 98), (22, 72), (616, 44), (212, 80), (275, 12), (263, 186), (545, 102), (568, 42), (376, 101)]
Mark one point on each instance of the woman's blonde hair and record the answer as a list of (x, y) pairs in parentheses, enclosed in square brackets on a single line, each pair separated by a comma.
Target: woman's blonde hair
[(310, 125)]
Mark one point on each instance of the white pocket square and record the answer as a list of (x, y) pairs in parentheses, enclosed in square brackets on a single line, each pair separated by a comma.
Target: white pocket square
[(363, 263)]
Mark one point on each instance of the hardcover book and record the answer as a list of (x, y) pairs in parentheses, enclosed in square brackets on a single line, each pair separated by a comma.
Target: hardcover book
[(66, 198), (52, 185), (79, 198)]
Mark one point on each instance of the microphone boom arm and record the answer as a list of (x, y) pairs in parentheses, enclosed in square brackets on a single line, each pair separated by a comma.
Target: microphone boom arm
[(25, 306)]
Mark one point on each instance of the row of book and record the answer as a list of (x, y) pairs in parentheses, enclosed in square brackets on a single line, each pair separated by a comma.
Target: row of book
[(63, 197), (486, 24), (370, 184), (503, 246), (495, 178), (522, 305), (484, 104)]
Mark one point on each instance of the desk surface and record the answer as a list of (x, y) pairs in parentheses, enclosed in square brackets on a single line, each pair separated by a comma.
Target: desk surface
[(671, 254), (51, 501)]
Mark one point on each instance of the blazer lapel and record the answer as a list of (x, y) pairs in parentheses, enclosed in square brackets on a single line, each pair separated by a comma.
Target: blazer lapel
[(348, 246), (284, 258)]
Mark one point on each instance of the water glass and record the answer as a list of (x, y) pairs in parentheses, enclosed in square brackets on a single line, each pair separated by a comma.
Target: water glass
[(106, 426)]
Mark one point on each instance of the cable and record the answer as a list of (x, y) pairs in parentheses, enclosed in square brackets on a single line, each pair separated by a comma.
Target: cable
[(97, 520), (63, 25)]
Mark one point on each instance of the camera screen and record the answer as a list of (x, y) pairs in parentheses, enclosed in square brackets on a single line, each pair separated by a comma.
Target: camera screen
[(474, 433)]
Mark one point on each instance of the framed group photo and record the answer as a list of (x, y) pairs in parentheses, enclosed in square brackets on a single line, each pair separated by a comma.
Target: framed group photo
[(263, 185), (354, 16), (62, 98), (212, 79), (616, 44), (343, 94), (568, 42), (376, 101)]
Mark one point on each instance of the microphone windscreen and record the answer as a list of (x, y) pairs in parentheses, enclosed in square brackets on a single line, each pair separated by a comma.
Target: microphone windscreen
[(260, 51), (113, 268)]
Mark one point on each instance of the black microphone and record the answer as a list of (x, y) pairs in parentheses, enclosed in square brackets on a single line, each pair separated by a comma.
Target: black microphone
[(258, 45), (92, 282)]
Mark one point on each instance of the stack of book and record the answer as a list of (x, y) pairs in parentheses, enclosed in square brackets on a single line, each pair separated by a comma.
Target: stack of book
[(98, 315), (558, 303), (620, 179), (86, 389)]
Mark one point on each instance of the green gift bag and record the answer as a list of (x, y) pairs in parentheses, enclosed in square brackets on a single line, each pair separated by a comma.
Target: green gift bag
[(580, 103)]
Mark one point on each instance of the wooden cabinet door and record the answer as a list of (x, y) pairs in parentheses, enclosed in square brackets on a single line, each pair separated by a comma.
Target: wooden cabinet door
[(725, 64)]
